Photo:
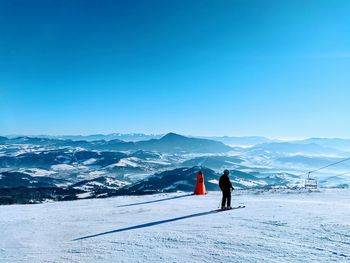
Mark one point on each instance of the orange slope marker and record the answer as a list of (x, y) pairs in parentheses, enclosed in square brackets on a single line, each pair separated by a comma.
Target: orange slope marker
[(200, 186)]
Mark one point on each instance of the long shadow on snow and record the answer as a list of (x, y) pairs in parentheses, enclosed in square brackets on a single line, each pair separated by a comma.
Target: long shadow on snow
[(148, 224), (155, 201)]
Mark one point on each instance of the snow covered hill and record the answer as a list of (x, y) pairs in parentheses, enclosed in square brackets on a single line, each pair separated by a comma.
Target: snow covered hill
[(184, 179), (293, 227)]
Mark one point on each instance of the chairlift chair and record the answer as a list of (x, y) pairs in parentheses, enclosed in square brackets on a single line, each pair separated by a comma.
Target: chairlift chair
[(310, 183)]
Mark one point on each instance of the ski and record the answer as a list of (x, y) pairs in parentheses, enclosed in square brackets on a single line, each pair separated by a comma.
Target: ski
[(233, 208)]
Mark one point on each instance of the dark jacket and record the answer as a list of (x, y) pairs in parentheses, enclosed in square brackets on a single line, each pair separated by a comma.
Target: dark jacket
[(225, 183)]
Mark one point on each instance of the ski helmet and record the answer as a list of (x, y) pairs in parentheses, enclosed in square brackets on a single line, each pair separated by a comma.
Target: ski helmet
[(226, 172)]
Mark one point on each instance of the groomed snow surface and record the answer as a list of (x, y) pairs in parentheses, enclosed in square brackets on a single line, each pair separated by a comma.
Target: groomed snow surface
[(278, 227)]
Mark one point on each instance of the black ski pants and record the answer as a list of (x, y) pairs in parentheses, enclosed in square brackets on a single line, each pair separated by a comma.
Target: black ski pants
[(226, 197)]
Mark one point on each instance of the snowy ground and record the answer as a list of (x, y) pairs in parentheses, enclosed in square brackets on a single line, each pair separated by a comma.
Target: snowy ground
[(272, 228)]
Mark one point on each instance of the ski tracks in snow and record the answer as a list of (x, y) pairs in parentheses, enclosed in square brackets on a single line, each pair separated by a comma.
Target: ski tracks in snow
[(272, 228)]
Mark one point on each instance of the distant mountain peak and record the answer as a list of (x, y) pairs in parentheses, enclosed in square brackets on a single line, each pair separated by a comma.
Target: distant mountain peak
[(172, 136)]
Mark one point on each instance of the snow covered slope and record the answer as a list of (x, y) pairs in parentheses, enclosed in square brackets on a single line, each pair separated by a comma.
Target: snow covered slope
[(297, 227)]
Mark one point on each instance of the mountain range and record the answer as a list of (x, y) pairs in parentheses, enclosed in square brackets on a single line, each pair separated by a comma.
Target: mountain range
[(49, 168), (170, 142)]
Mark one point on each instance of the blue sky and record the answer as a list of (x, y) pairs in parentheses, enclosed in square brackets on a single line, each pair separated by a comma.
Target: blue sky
[(271, 68)]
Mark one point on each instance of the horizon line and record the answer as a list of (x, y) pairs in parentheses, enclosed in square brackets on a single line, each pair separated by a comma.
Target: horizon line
[(282, 138)]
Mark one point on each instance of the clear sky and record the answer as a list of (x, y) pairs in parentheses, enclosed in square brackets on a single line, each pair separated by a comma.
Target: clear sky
[(270, 68)]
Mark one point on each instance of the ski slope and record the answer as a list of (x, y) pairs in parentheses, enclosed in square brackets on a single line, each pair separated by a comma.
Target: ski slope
[(278, 227)]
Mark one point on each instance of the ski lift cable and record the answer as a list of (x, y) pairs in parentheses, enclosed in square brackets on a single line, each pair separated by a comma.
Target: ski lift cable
[(342, 174), (324, 167)]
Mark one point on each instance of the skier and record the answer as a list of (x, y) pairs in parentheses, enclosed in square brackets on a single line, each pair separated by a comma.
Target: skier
[(226, 188)]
